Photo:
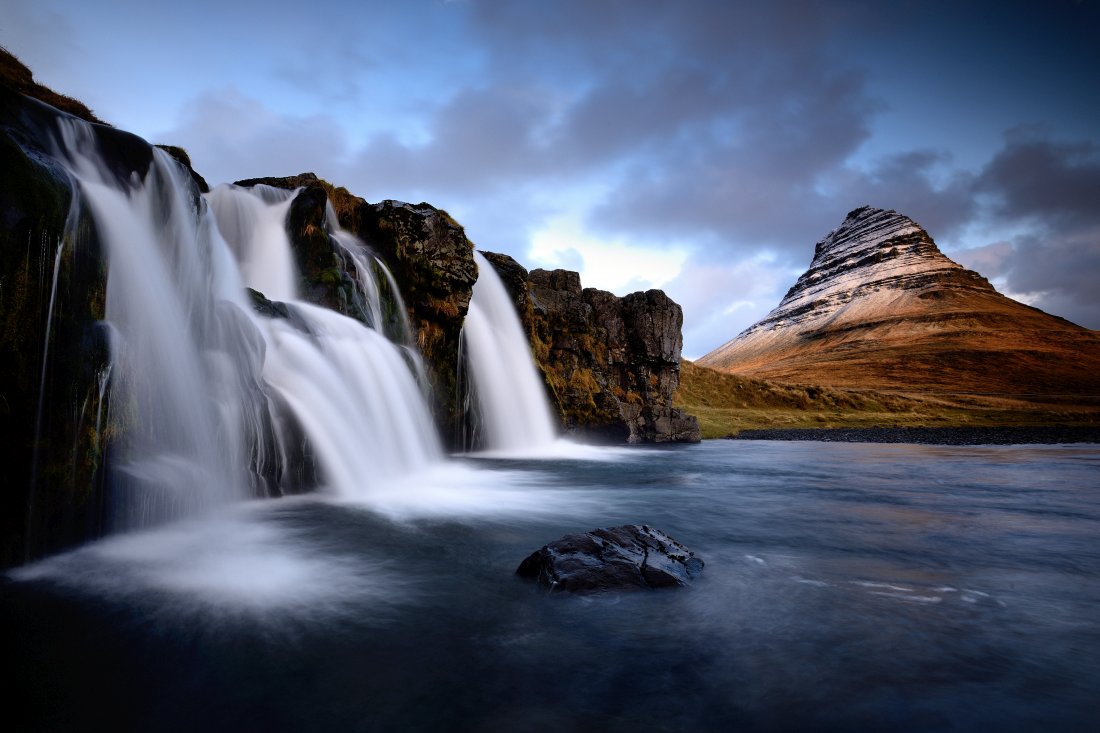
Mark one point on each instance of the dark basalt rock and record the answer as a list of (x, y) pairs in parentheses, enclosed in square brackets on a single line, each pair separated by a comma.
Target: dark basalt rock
[(423, 247), (52, 297), (611, 364), (181, 157), (626, 558)]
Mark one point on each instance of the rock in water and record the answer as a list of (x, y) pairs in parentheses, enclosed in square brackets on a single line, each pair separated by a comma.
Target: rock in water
[(629, 557)]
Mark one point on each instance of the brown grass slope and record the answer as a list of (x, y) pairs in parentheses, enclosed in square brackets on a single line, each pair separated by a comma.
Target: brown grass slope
[(14, 74), (938, 342), (729, 403)]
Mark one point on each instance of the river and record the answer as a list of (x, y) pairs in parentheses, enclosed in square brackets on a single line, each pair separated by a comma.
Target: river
[(847, 587)]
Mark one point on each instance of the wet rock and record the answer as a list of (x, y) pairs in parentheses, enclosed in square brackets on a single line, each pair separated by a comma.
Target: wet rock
[(626, 558), (432, 260), (423, 247), (611, 364), (52, 300), (180, 155), (267, 307)]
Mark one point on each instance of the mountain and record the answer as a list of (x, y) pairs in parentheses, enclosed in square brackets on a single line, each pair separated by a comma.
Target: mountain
[(882, 308)]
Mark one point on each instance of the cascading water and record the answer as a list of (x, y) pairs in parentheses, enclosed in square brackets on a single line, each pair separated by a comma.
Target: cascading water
[(185, 388), (512, 409), (347, 385), (254, 227), (203, 390)]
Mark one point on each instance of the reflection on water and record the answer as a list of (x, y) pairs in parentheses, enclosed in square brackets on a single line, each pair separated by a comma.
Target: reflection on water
[(847, 587)]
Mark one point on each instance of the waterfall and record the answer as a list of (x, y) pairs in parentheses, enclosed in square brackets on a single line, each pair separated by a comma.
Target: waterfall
[(512, 410), (348, 386), (186, 398), (208, 400), (253, 225)]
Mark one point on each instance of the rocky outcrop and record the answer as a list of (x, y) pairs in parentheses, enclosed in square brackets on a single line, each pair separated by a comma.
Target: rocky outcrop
[(184, 159), (880, 307), (58, 433), (53, 348), (626, 558), (611, 364), (433, 262), (325, 269), (426, 251)]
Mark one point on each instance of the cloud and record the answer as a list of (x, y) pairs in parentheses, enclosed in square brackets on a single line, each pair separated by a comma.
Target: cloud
[(1036, 176), (918, 183), (479, 140), (992, 260), (733, 134), (1047, 190), (231, 136), (720, 300)]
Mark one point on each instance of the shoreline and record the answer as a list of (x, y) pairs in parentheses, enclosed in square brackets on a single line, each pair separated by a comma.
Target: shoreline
[(1045, 435)]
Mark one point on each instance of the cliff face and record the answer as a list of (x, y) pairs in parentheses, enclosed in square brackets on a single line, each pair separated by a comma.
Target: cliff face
[(53, 347), (433, 263), (422, 246), (881, 307), (611, 364), (58, 431)]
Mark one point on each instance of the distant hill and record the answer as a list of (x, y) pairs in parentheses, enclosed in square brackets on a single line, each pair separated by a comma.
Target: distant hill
[(882, 308)]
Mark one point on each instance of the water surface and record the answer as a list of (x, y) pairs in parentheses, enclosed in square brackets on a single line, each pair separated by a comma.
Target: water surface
[(847, 587)]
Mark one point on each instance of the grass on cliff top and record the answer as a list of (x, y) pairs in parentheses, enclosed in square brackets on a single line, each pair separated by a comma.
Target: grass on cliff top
[(729, 403)]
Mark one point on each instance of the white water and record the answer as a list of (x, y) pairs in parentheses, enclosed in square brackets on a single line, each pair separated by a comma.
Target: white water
[(354, 395), (186, 358), (512, 406), (200, 384), (254, 226), (349, 387)]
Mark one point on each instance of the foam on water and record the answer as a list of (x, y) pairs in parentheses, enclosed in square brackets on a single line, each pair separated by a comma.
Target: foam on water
[(461, 492), (244, 563)]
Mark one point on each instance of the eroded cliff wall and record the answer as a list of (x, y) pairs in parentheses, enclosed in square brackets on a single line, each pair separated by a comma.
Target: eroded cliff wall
[(611, 364)]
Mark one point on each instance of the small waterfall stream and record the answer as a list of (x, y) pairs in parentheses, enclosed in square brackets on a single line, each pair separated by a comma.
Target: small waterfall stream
[(514, 414)]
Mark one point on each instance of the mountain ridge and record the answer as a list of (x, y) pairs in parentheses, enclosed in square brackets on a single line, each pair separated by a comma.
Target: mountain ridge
[(881, 307)]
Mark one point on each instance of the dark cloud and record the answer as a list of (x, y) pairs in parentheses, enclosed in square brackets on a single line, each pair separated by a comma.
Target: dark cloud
[(726, 128), (481, 139), (750, 173), (1037, 176), (1053, 271), (920, 184), (1049, 189)]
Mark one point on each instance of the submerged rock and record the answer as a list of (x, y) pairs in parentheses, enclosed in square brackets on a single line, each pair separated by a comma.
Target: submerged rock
[(630, 557)]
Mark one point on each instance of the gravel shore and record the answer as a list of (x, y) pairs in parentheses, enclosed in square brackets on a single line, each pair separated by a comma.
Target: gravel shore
[(932, 436)]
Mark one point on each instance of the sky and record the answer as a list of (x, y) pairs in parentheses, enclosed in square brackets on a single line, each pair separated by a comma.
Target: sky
[(702, 147)]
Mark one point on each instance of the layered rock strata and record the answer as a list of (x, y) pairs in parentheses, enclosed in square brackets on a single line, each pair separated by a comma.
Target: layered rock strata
[(881, 307)]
